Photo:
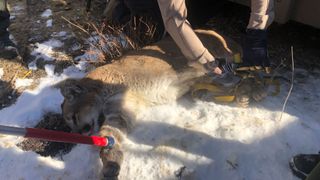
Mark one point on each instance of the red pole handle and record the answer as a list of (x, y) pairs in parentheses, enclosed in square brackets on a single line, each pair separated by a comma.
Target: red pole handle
[(59, 136)]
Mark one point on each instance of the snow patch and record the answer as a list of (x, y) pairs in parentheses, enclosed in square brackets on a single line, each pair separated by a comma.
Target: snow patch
[(47, 13), (76, 46), (12, 39), (46, 50), (1, 72), (49, 23), (208, 139), (62, 35), (23, 82), (49, 69), (212, 141), (17, 8), (59, 34), (33, 65), (15, 11)]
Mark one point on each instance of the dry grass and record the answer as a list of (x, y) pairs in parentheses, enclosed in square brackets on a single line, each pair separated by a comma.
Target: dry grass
[(108, 41), (141, 30)]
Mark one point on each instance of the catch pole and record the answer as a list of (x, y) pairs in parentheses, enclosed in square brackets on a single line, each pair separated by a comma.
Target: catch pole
[(58, 136)]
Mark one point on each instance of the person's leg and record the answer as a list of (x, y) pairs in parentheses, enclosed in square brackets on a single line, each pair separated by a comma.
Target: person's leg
[(315, 173), (3, 5), (174, 15), (255, 61), (255, 42), (7, 47), (306, 166), (262, 14), (4, 19)]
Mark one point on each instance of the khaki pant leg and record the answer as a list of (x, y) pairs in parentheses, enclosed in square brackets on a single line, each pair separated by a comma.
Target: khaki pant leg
[(315, 173), (174, 14), (3, 5), (262, 14)]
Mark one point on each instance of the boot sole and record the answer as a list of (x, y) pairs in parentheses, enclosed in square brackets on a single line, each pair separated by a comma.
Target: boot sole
[(296, 171)]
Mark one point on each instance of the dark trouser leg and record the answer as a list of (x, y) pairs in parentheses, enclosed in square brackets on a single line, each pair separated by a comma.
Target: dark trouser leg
[(255, 42), (7, 47), (255, 48), (4, 20)]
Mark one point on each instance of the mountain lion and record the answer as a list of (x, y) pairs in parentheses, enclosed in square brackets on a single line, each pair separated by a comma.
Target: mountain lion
[(108, 99)]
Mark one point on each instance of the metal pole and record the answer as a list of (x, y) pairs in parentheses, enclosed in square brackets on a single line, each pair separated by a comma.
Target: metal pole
[(15, 131)]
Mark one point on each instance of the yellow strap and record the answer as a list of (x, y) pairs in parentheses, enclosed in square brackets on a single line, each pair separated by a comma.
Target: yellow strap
[(27, 74), (213, 89), (224, 98), (205, 86)]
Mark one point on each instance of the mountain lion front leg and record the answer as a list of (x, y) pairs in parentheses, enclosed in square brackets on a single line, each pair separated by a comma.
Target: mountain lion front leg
[(111, 158)]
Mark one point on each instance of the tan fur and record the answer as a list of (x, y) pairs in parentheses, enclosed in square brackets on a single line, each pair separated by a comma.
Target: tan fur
[(121, 89)]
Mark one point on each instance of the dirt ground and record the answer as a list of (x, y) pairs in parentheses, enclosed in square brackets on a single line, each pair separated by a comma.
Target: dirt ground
[(45, 148), (29, 28)]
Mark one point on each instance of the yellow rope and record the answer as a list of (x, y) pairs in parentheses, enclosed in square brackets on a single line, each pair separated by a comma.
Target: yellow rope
[(215, 90), (227, 96), (27, 74)]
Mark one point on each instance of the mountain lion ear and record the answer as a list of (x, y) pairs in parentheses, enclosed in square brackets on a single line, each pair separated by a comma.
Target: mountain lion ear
[(71, 88)]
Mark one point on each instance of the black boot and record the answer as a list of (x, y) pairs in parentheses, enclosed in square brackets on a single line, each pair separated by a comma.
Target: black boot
[(255, 65), (255, 48), (8, 49), (302, 164)]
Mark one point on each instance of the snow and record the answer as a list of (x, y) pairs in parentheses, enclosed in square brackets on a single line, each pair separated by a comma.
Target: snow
[(17, 8), (33, 65), (59, 34), (203, 140), (23, 82), (49, 23), (46, 50), (47, 13), (15, 11), (1, 72)]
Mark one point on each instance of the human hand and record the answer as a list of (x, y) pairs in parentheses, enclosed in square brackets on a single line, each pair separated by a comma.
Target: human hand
[(213, 67)]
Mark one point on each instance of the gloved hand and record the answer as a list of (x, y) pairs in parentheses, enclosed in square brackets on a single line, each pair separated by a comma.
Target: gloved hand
[(212, 67), (222, 72), (255, 48), (220, 65)]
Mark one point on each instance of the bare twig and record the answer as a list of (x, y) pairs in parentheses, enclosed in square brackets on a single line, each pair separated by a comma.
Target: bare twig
[(76, 25), (107, 42), (291, 86)]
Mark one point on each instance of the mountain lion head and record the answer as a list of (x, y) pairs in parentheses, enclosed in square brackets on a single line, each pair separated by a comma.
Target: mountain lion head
[(82, 107)]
